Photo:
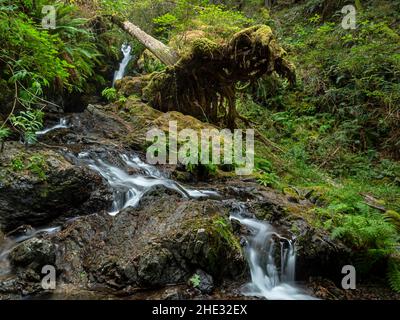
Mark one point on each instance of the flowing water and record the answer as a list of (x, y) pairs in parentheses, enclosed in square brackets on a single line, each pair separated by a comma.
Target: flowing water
[(63, 124), (129, 188), (120, 73), (269, 279)]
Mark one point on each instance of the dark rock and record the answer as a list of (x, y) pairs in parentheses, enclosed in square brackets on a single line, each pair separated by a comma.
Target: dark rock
[(159, 243), (33, 254), (64, 191)]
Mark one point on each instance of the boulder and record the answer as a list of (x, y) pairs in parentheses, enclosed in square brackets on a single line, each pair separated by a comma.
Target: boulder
[(161, 242), (40, 186), (33, 254)]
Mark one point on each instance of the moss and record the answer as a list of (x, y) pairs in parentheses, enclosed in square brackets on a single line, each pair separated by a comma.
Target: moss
[(224, 229), (204, 48), (185, 87)]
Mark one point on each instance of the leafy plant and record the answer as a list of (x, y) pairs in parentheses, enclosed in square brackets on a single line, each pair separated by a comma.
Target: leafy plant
[(394, 274), (195, 280), (268, 179), (110, 94), (37, 165), (17, 164), (4, 133), (28, 122), (366, 232)]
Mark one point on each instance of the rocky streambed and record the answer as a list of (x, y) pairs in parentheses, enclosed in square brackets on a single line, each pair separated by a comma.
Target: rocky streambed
[(171, 244)]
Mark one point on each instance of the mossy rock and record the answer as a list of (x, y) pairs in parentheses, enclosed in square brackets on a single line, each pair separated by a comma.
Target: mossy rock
[(52, 189), (130, 86)]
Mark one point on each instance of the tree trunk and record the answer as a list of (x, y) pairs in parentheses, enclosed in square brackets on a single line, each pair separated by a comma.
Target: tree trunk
[(166, 55)]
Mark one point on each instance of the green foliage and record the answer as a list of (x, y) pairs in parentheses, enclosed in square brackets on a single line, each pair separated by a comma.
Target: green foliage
[(217, 21), (36, 164), (394, 218), (4, 133), (28, 122), (165, 24), (268, 180), (17, 164), (110, 94), (195, 280), (366, 232), (394, 274), (352, 75)]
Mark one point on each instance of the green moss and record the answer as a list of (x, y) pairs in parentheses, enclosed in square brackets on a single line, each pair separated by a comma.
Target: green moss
[(223, 227), (204, 47)]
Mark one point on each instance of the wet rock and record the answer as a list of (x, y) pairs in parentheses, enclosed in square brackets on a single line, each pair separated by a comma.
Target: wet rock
[(50, 190), (319, 255), (33, 254), (161, 242)]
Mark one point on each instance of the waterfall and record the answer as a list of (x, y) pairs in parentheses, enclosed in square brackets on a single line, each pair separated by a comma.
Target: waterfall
[(63, 124), (129, 188), (119, 74), (267, 280)]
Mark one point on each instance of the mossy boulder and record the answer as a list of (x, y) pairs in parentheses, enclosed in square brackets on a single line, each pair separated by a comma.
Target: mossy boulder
[(130, 86), (39, 186)]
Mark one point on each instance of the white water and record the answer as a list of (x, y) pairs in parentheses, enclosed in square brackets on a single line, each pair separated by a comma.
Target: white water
[(267, 281), (119, 74), (130, 188), (12, 242), (63, 124)]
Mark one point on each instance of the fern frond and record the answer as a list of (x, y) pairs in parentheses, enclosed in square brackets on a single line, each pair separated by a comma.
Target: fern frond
[(394, 274)]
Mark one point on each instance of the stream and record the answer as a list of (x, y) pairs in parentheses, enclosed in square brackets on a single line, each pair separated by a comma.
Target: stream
[(128, 188), (133, 178), (264, 246), (271, 257)]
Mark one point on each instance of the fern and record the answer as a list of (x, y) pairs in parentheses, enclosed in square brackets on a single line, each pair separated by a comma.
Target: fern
[(366, 231), (394, 274), (394, 218)]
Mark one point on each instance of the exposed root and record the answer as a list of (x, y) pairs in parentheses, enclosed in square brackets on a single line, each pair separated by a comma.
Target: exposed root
[(204, 81)]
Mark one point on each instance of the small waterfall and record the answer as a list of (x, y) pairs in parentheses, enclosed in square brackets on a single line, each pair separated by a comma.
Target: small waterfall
[(267, 280), (63, 124), (120, 73), (130, 188)]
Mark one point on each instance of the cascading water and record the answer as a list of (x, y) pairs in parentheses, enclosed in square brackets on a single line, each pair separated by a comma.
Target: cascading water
[(267, 280), (63, 124), (119, 74), (129, 189)]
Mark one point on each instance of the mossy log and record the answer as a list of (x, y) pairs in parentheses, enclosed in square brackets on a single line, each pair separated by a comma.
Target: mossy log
[(203, 82)]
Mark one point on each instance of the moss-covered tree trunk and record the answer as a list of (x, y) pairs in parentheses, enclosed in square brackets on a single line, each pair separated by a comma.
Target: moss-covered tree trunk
[(203, 82)]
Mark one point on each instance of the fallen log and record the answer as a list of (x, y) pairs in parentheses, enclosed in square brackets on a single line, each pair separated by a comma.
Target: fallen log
[(203, 81), (166, 54)]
